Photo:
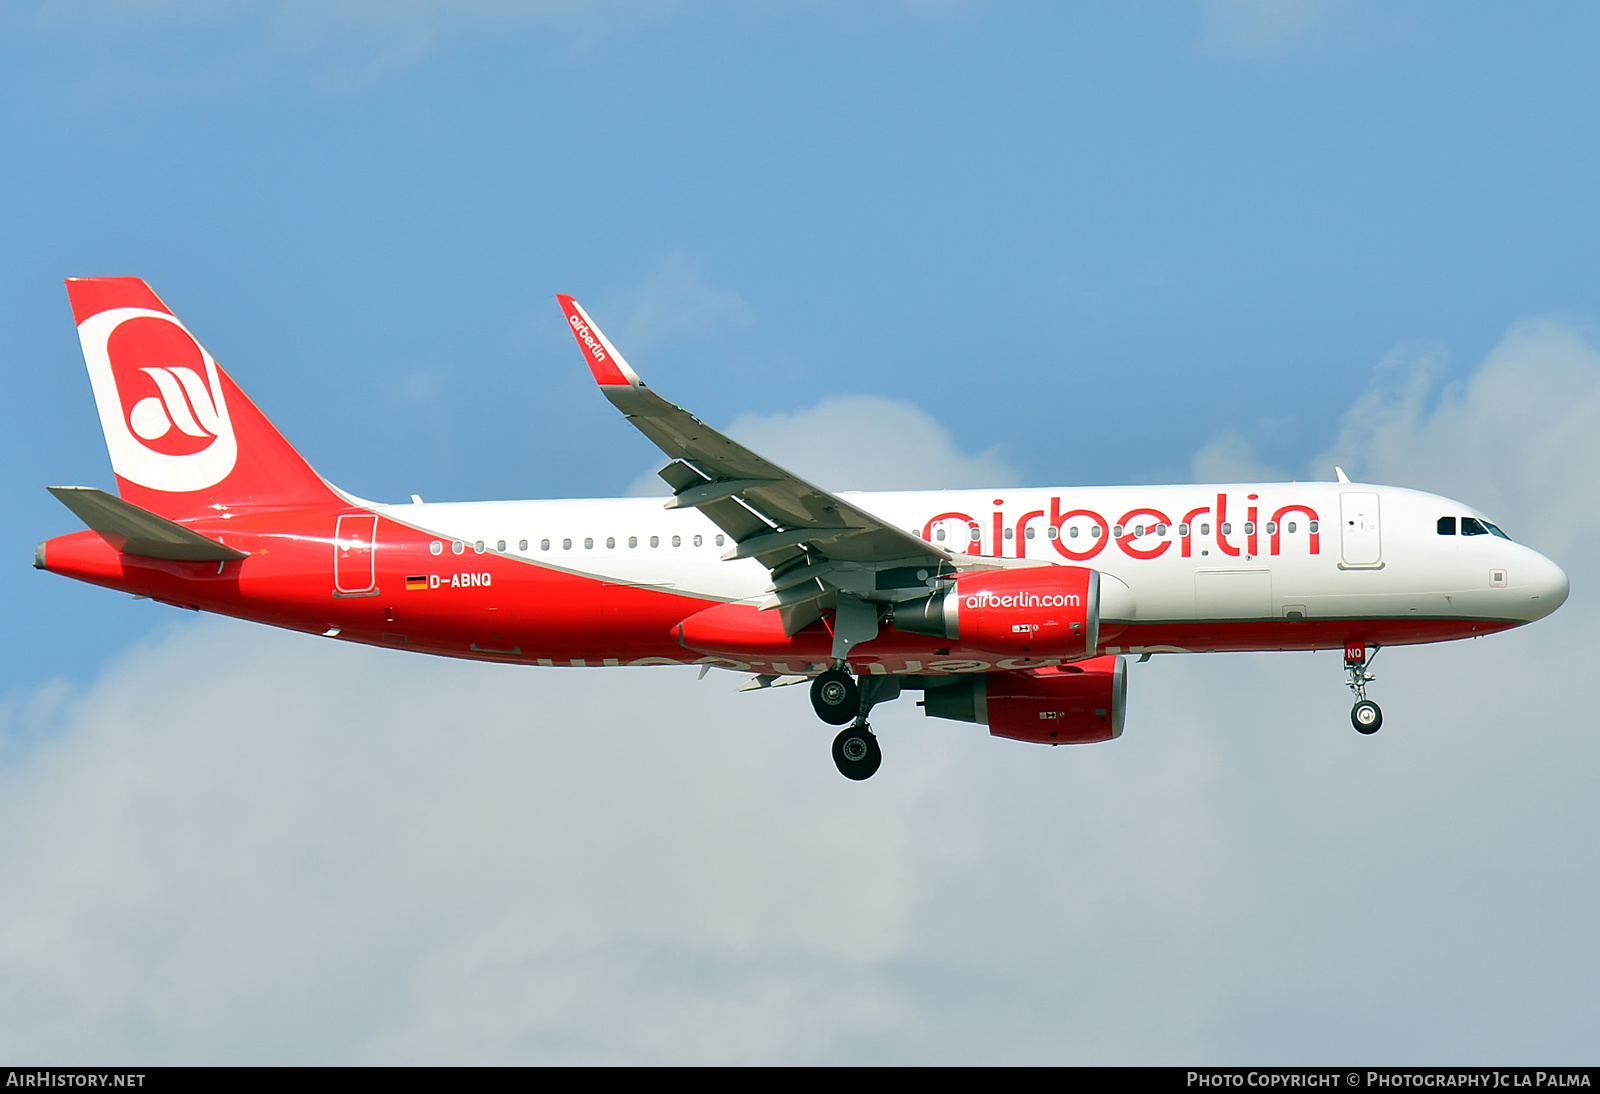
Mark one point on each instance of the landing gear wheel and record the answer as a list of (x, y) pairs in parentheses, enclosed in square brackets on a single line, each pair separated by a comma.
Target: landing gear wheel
[(835, 698), (1366, 717), (856, 753)]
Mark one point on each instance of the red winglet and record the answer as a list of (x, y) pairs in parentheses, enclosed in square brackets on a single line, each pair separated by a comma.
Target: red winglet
[(609, 369)]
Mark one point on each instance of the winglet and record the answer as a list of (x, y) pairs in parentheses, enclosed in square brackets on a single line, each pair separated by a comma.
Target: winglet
[(609, 369)]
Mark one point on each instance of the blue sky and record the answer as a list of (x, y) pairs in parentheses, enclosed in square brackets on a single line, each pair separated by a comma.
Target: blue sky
[(1078, 244), (1093, 237)]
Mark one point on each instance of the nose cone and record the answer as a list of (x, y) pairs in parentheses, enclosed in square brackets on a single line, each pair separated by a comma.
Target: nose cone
[(1547, 587)]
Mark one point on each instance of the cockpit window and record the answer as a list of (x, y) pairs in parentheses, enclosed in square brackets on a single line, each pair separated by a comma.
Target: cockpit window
[(1447, 526), (1494, 530), (1470, 526)]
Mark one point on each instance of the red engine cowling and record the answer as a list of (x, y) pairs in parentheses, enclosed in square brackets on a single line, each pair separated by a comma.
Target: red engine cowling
[(1038, 611), (1070, 704)]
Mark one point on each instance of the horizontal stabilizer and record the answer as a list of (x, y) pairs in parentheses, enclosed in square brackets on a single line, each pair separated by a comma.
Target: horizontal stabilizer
[(136, 531)]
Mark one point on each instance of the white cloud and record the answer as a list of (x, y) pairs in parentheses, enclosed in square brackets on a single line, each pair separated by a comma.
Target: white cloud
[(348, 42), (1518, 439), (861, 442), (242, 845), (1264, 26), (1230, 458), (674, 302), (865, 442)]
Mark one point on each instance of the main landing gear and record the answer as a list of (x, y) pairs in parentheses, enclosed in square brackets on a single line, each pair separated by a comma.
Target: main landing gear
[(838, 699), (1365, 715), (856, 753), (835, 697)]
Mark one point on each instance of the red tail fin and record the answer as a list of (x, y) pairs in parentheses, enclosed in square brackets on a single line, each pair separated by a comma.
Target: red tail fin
[(181, 433)]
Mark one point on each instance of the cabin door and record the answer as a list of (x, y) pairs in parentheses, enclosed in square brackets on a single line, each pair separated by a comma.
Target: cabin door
[(355, 555), (1358, 529)]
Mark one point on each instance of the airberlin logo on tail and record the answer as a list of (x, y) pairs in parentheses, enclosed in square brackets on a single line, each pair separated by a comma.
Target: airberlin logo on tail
[(184, 402), (160, 400)]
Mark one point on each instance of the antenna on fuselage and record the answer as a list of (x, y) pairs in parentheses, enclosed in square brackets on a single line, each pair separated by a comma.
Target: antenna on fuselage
[(1339, 471)]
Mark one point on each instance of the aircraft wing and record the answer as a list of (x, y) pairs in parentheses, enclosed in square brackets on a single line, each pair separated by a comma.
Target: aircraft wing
[(815, 543)]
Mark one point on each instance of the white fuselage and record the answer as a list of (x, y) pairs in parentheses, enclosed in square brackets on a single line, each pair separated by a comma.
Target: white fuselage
[(1279, 550)]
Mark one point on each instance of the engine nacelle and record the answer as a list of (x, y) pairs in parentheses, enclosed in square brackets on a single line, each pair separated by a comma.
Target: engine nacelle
[(1070, 704), (1038, 611)]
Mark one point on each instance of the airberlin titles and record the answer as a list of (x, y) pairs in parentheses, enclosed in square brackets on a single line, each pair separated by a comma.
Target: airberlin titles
[(1133, 531)]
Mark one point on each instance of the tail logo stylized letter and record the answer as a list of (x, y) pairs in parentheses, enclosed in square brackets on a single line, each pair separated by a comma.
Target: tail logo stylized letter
[(160, 400)]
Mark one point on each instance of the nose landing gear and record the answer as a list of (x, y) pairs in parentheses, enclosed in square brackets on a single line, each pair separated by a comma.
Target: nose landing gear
[(1366, 716)]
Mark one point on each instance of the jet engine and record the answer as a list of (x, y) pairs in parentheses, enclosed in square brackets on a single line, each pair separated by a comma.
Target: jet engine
[(1038, 611), (1068, 704)]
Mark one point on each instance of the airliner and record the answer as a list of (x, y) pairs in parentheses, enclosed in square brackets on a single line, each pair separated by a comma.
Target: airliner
[(1015, 609)]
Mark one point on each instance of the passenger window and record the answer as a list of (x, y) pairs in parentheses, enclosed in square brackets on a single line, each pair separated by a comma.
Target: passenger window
[(1072, 533), (566, 545), (611, 542), (633, 541), (500, 546), (544, 545), (1029, 532), (1471, 527), (698, 540), (976, 535), (1249, 527), (1183, 529), (1272, 527), (1161, 529), (1291, 526), (1205, 529), (1447, 526), (655, 541), (435, 547), (522, 545), (1094, 533), (938, 534), (1008, 533), (677, 541), (1313, 527), (457, 546), (719, 539), (1051, 532), (588, 543)]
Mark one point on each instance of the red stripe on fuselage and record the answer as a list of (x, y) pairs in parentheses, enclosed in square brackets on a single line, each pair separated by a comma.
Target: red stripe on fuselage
[(497, 607)]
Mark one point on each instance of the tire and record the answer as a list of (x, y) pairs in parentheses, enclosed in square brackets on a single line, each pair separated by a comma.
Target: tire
[(1366, 717), (835, 697), (856, 753)]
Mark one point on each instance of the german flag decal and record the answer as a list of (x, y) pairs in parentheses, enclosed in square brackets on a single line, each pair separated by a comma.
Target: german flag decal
[(415, 583)]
